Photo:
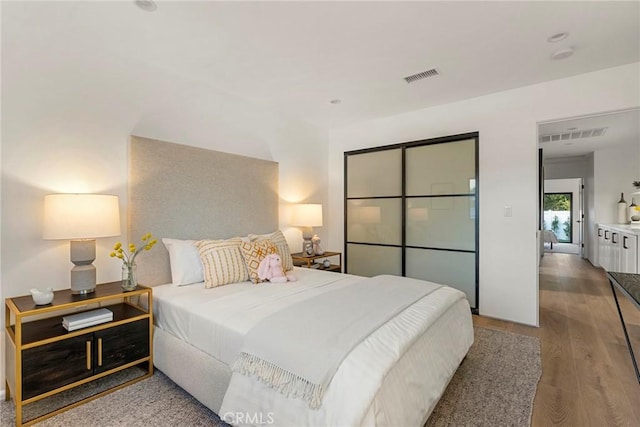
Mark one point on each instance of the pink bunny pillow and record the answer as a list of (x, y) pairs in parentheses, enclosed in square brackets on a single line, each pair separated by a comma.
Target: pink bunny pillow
[(270, 269)]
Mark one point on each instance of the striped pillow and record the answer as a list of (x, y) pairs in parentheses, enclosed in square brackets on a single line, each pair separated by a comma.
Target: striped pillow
[(222, 262), (280, 242), (254, 253)]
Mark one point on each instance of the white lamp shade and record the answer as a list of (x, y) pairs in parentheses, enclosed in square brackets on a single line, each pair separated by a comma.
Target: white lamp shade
[(307, 215), (80, 216)]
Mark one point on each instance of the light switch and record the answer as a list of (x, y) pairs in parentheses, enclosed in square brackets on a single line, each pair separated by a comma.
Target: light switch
[(508, 211)]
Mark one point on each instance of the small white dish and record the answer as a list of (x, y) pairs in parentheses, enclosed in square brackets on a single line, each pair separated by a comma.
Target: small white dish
[(42, 297)]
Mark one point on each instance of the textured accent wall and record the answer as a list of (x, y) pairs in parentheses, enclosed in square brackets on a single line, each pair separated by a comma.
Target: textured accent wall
[(184, 192)]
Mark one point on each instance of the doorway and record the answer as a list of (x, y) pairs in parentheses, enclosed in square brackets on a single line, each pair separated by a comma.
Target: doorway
[(602, 149), (562, 216)]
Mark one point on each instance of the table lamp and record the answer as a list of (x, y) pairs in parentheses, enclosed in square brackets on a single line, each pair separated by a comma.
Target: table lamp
[(307, 216), (81, 218)]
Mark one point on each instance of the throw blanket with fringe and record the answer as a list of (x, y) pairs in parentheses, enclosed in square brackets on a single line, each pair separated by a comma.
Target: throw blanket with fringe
[(298, 350)]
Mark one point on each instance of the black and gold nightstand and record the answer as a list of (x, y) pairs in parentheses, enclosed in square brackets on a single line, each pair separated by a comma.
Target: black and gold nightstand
[(300, 259), (44, 360)]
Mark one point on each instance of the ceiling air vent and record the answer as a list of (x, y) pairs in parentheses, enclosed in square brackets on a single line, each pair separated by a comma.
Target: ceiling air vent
[(423, 75), (575, 134)]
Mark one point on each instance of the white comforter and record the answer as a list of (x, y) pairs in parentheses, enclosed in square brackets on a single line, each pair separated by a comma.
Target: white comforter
[(394, 376), (216, 320)]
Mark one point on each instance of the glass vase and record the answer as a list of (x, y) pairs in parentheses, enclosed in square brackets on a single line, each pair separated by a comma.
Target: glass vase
[(129, 276)]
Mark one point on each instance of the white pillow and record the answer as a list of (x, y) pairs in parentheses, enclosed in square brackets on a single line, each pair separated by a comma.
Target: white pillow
[(184, 258)]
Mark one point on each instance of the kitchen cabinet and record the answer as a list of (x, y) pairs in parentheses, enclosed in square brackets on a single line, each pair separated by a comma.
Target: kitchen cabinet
[(618, 248)]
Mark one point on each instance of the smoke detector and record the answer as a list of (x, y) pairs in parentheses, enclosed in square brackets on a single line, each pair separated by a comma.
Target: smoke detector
[(558, 37), (562, 53), (146, 5)]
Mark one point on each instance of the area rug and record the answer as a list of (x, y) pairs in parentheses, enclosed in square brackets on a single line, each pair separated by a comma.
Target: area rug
[(494, 386)]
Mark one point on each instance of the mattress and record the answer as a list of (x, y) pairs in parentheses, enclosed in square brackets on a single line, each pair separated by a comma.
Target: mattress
[(396, 375)]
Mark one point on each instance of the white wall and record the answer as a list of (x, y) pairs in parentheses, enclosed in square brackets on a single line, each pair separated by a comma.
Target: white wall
[(590, 239), (614, 170), (72, 151), (569, 185), (2, 392), (302, 152), (61, 134), (507, 122), (566, 167)]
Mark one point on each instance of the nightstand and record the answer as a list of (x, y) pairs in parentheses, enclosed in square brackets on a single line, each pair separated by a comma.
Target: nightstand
[(45, 361), (300, 259)]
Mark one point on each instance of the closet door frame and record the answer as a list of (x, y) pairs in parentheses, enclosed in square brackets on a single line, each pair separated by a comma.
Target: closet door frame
[(403, 199)]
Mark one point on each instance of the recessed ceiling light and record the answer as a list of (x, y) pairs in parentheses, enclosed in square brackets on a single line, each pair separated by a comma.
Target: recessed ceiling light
[(562, 53), (335, 101), (146, 5), (557, 37)]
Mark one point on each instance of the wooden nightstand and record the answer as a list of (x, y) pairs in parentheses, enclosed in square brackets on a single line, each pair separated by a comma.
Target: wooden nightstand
[(302, 260), (44, 359)]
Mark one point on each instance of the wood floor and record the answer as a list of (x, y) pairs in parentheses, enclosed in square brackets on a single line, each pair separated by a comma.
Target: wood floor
[(587, 375)]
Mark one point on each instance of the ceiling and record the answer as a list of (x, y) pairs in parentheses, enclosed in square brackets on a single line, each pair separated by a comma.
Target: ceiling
[(570, 139), (295, 57)]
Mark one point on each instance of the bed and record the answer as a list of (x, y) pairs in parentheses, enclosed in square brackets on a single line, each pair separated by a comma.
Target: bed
[(392, 375)]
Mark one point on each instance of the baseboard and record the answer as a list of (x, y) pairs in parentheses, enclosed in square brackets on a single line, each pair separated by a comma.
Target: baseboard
[(1, 394)]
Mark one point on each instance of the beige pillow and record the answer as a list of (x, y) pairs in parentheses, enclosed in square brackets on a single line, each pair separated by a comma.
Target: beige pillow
[(280, 242), (254, 253), (222, 262)]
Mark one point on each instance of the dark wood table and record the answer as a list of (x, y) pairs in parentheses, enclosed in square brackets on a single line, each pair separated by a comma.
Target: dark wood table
[(629, 285)]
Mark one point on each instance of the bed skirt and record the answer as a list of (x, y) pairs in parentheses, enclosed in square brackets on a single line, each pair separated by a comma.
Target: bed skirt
[(202, 376)]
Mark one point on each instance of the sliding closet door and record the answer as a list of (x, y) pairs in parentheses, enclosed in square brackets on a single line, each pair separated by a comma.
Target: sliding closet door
[(373, 214), (411, 210), (441, 214)]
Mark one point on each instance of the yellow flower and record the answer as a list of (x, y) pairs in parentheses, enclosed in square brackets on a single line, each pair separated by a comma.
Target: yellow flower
[(130, 257)]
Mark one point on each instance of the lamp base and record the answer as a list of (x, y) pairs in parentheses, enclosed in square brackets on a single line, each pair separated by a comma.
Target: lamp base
[(83, 273), (83, 291), (307, 247), (83, 279)]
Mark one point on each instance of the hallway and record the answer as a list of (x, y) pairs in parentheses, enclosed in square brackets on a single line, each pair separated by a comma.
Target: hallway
[(587, 375)]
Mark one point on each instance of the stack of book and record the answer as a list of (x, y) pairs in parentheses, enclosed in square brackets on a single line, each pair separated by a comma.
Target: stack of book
[(86, 319)]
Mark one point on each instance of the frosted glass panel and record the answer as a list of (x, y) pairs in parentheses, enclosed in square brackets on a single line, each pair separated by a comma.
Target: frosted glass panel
[(365, 260), (374, 221), (442, 222), (448, 168), (375, 174), (456, 269)]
